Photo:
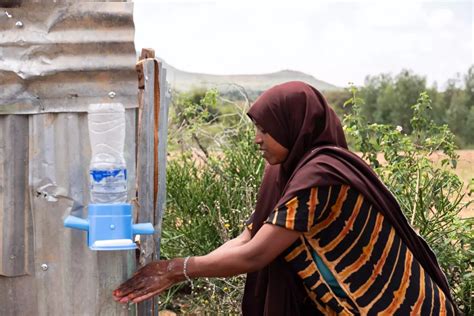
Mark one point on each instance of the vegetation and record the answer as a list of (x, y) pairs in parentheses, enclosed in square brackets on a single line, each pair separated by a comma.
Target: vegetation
[(387, 100), (431, 195), (210, 196), (215, 172)]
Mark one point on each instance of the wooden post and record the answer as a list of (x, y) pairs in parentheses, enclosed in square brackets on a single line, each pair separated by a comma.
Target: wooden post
[(162, 156), (152, 131)]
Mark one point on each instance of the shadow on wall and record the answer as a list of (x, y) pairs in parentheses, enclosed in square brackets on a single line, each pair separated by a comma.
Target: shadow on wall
[(10, 3)]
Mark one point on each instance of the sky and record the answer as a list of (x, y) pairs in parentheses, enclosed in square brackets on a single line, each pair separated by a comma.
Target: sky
[(334, 41)]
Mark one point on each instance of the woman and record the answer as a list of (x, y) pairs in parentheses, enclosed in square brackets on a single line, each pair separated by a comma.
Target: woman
[(326, 237)]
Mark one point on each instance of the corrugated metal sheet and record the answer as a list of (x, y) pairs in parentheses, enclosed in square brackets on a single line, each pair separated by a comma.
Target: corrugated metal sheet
[(75, 280), (65, 57), (15, 216)]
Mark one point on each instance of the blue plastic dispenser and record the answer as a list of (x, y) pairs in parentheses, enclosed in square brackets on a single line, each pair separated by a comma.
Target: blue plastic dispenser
[(109, 227), (109, 223)]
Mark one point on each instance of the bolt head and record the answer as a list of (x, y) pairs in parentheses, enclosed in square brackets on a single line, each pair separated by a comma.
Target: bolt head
[(112, 226), (112, 94), (44, 267), (19, 24)]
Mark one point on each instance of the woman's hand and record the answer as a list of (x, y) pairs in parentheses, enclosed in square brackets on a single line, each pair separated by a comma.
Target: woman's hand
[(240, 255), (150, 280)]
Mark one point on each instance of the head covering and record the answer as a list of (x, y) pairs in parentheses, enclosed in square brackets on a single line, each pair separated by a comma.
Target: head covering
[(298, 117)]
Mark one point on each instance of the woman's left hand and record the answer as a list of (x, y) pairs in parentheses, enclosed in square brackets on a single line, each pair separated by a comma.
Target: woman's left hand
[(149, 281)]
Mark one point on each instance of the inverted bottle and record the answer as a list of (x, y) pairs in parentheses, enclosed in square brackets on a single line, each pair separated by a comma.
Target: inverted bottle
[(108, 172)]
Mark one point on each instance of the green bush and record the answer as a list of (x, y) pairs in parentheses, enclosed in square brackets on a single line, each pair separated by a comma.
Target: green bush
[(430, 194), (210, 196), (209, 199)]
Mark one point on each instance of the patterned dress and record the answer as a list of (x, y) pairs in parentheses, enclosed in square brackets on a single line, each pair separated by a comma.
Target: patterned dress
[(376, 271)]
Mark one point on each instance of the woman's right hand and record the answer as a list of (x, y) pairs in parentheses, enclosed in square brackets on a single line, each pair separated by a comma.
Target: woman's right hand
[(150, 280)]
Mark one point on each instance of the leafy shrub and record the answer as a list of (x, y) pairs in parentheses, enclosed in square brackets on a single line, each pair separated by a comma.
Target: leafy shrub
[(431, 195), (209, 199), (198, 105)]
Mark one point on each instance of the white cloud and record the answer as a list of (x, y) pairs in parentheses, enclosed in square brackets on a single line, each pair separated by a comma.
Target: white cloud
[(390, 14), (440, 18), (334, 41)]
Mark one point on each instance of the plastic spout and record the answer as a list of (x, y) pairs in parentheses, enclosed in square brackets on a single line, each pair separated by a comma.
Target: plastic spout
[(76, 222), (143, 229), (109, 226)]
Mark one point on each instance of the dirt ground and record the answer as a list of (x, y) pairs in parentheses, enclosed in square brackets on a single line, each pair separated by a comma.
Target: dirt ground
[(465, 170)]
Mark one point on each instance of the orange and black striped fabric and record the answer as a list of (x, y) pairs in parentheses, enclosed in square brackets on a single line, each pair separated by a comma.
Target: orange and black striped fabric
[(360, 247)]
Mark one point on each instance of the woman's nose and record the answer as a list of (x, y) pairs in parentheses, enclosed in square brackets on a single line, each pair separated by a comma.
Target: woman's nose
[(258, 139)]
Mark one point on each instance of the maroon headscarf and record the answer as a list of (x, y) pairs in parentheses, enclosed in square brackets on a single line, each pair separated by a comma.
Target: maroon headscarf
[(298, 117)]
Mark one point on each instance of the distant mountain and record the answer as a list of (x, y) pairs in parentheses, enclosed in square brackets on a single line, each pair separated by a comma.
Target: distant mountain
[(254, 84)]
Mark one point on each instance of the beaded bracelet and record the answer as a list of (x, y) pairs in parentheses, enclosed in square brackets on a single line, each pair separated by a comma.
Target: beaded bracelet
[(185, 272)]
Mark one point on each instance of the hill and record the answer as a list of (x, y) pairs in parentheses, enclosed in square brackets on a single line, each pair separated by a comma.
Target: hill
[(254, 84)]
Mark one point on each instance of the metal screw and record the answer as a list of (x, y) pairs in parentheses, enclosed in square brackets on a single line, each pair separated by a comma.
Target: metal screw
[(12, 257), (8, 15), (112, 226), (44, 267), (19, 24), (112, 94)]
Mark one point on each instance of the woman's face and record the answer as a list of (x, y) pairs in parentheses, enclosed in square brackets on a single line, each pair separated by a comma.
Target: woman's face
[(272, 151)]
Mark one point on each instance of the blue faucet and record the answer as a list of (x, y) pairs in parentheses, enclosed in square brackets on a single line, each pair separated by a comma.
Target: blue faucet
[(109, 227)]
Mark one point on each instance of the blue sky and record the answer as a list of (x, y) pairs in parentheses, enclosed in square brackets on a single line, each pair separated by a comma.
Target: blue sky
[(335, 41)]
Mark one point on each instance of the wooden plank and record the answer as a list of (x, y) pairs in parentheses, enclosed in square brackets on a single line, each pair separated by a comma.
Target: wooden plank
[(156, 117), (147, 53), (162, 156), (145, 163), (145, 170)]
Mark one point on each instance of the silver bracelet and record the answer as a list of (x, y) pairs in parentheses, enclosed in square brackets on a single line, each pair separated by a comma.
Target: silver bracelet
[(185, 272)]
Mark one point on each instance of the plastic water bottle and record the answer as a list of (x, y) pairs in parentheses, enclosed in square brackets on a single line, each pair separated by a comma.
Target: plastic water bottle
[(108, 171)]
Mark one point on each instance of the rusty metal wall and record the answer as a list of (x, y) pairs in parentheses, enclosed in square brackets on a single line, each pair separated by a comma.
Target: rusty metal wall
[(57, 61), (62, 57)]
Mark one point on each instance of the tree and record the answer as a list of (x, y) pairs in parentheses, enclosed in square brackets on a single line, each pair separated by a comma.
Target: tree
[(373, 88), (469, 86), (387, 99)]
